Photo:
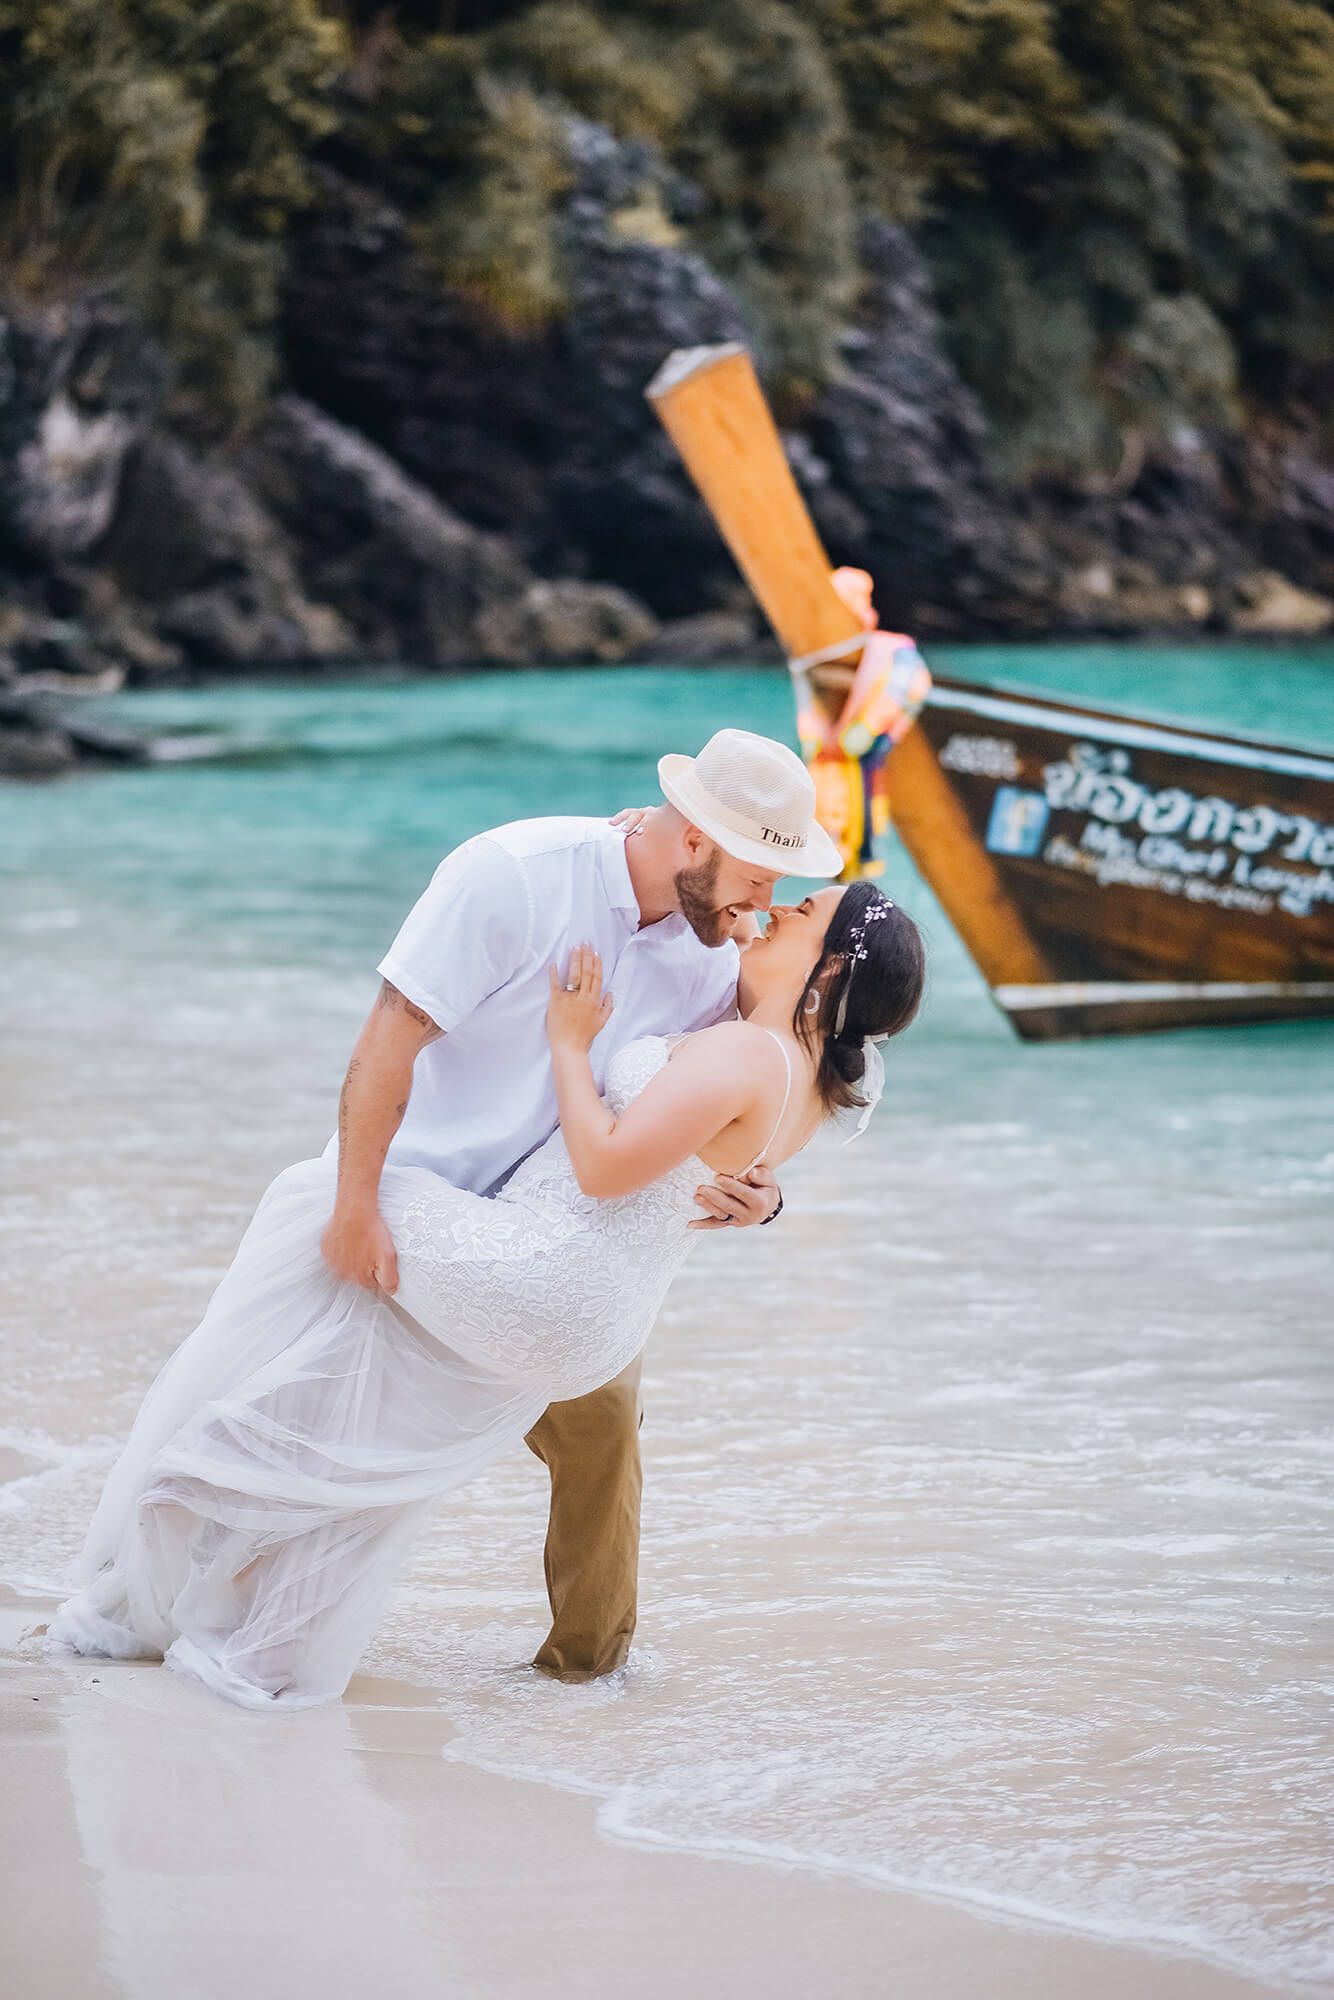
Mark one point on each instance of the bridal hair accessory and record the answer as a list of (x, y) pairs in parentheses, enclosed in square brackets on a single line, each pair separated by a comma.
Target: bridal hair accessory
[(756, 799), (874, 913), (872, 1086)]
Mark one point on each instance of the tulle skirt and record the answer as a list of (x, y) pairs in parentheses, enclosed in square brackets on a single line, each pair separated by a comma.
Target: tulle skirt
[(256, 1522)]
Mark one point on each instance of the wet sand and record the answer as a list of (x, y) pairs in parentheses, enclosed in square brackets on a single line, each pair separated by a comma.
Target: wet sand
[(157, 1844)]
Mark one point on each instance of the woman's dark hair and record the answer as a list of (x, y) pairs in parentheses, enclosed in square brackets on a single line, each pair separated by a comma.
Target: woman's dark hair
[(869, 978)]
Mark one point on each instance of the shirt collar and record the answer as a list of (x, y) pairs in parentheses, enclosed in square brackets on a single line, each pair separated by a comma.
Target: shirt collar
[(616, 876), (621, 890)]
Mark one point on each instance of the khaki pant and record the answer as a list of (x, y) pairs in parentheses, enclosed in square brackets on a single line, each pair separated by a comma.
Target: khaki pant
[(591, 1448)]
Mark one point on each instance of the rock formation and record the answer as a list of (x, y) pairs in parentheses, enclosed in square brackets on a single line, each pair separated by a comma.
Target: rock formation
[(435, 488)]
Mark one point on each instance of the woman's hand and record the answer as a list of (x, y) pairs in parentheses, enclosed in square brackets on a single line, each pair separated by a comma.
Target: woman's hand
[(578, 1008)]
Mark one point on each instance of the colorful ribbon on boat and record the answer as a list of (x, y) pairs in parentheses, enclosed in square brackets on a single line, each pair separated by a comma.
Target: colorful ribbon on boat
[(847, 752)]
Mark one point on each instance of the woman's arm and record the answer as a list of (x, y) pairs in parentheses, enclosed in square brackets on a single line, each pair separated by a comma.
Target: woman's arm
[(712, 1080)]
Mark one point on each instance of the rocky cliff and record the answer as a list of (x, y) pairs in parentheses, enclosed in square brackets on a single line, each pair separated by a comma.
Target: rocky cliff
[(433, 486)]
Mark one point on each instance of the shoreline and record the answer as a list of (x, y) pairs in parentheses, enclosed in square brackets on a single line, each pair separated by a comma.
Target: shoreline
[(304, 670), (55, 725), (162, 1842)]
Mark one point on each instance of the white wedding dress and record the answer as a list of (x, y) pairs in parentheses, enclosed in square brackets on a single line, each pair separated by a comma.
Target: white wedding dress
[(257, 1519)]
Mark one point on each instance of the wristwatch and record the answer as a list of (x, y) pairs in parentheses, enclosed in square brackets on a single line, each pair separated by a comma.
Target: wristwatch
[(774, 1217)]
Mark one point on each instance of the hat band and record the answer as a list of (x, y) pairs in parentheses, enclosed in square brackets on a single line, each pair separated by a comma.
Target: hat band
[(735, 822)]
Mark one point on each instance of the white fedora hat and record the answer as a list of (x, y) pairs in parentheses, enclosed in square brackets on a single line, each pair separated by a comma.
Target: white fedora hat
[(754, 797)]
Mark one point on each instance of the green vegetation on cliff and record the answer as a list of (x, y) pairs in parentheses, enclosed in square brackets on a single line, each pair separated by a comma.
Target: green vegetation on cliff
[(161, 145), (1127, 205)]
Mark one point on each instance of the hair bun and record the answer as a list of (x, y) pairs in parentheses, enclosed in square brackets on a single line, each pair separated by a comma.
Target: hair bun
[(847, 1058)]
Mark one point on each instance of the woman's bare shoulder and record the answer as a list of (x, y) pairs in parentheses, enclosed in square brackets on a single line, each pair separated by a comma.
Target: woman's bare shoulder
[(728, 1042)]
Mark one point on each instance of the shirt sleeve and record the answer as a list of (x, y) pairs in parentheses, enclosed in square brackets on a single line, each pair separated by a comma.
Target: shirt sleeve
[(465, 936)]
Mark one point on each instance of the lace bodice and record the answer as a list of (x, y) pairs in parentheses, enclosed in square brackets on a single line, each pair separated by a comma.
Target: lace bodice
[(548, 1173), (544, 1277)]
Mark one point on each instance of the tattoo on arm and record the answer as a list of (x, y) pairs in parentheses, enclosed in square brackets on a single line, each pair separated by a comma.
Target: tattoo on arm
[(391, 997), (353, 1066), (397, 1002)]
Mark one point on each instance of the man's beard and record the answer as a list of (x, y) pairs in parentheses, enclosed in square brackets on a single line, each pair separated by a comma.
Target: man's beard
[(696, 889)]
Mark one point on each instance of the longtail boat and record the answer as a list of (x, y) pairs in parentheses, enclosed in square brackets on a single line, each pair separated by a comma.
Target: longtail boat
[(1108, 874)]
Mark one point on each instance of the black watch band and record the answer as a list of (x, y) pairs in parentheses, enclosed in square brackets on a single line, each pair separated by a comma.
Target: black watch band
[(774, 1217)]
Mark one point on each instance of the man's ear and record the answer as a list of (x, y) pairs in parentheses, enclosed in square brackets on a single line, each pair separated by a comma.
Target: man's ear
[(695, 842)]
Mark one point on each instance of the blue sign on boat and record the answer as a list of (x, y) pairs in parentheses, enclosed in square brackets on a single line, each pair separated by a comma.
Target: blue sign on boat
[(1018, 821)]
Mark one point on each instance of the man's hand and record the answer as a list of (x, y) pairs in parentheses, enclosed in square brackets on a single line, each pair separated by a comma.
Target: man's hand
[(730, 1202), (358, 1248), (356, 1245)]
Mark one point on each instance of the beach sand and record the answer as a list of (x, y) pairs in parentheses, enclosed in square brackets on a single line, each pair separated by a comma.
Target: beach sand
[(158, 1845)]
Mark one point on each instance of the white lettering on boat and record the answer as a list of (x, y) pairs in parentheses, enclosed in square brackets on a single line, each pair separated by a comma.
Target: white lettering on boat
[(1100, 782), (1111, 857), (1197, 874), (982, 756)]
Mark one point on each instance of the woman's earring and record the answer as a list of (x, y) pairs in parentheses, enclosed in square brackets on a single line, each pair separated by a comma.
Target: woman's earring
[(812, 1003)]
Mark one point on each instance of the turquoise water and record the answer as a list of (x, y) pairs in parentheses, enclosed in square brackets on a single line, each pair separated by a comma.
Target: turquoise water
[(1281, 692), (987, 1533), (324, 806)]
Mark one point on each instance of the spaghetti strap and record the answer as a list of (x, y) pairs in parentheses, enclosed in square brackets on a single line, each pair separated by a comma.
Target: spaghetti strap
[(782, 1109)]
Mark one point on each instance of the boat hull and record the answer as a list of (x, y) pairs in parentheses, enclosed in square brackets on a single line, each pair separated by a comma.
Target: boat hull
[(1163, 877)]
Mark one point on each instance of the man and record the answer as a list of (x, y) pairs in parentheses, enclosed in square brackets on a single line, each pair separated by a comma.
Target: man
[(452, 1072)]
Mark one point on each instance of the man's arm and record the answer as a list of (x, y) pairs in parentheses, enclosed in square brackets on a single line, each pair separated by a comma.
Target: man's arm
[(356, 1245), (461, 940)]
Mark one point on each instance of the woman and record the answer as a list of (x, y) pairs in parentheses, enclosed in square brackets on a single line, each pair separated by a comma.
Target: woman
[(258, 1517)]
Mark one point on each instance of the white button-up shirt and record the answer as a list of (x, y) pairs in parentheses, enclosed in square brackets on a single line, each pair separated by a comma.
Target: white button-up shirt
[(474, 953)]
